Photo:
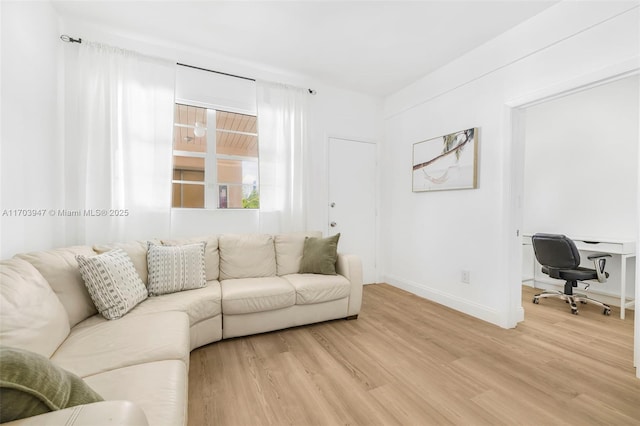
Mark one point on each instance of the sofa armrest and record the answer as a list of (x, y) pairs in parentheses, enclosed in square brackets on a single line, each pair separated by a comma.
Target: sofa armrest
[(115, 413), (350, 267)]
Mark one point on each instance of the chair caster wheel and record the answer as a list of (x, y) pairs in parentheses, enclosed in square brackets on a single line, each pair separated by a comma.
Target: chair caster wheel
[(574, 311), (606, 311), (536, 300), (583, 302)]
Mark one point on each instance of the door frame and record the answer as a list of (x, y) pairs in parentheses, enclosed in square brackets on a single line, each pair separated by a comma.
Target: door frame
[(514, 177), (376, 238)]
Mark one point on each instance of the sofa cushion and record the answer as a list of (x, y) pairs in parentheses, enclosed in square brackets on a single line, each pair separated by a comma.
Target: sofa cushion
[(211, 255), (315, 288), (113, 283), (289, 251), (97, 345), (31, 315), (175, 268), (158, 388), (60, 268), (137, 251), (246, 295), (246, 256), (30, 384), (121, 413), (198, 304), (319, 255)]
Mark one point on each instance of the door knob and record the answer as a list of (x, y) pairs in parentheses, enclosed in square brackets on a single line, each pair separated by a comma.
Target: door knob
[(333, 224), (332, 205)]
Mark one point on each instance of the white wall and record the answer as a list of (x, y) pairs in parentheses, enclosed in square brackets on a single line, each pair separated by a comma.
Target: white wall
[(436, 235), (30, 151), (581, 163)]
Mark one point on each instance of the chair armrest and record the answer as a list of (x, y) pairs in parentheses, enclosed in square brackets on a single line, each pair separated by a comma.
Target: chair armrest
[(599, 263), (112, 413), (350, 267), (598, 255)]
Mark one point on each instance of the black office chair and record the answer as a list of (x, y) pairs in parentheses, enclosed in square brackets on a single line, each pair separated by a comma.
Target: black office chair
[(560, 259)]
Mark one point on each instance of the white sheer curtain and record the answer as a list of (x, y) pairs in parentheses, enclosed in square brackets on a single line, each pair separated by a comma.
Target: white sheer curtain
[(282, 133), (118, 144)]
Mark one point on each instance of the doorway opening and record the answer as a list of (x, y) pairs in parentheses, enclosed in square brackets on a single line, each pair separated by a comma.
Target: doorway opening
[(571, 174)]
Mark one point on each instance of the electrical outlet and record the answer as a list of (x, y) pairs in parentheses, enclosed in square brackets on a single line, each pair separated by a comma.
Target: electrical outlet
[(465, 276)]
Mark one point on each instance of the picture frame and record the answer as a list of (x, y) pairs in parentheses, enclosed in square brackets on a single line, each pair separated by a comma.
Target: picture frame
[(447, 162)]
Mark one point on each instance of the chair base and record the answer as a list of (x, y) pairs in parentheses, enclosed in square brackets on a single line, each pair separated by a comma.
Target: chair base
[(571, 298)]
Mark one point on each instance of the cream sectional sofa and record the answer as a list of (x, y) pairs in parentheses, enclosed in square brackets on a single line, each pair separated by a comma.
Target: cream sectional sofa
[(139, 363)]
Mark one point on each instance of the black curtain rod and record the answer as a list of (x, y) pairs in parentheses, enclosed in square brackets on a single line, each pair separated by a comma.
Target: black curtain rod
[(69, 39), (311, 91), (217, 72)]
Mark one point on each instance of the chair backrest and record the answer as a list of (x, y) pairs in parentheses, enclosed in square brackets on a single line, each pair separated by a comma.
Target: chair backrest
[(556, 251)]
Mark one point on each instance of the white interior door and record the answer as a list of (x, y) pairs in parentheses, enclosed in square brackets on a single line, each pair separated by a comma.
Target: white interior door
[(352, 200)]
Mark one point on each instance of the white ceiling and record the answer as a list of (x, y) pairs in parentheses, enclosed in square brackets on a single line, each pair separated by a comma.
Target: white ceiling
[(375, 47)]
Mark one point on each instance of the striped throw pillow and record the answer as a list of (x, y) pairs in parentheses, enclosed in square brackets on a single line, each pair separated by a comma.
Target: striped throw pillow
[(175, 268), (112, 281)]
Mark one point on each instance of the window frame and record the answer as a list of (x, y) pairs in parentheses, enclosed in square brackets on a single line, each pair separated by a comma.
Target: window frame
[(211, 157)]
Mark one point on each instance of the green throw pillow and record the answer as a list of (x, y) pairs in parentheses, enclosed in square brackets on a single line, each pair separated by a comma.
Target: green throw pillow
[(319, 255), (30, 384)]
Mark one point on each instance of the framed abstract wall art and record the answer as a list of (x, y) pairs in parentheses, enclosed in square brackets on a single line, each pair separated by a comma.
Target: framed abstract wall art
[(446, 162)]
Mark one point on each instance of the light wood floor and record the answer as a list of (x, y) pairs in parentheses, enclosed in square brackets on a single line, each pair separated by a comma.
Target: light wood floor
[(408, 361)]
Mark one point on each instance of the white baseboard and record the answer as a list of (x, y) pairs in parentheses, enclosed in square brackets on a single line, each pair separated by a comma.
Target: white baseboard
[(452, 301)]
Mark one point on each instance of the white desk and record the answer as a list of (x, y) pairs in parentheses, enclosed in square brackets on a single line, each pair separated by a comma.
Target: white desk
[(623, 248)]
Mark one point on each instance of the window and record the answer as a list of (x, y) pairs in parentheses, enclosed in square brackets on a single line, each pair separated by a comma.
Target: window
[(215, 159)]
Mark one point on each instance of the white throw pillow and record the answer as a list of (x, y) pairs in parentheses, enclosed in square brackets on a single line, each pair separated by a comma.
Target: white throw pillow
[(137, 251), (211, 255), (113, 282), (175, 268)]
